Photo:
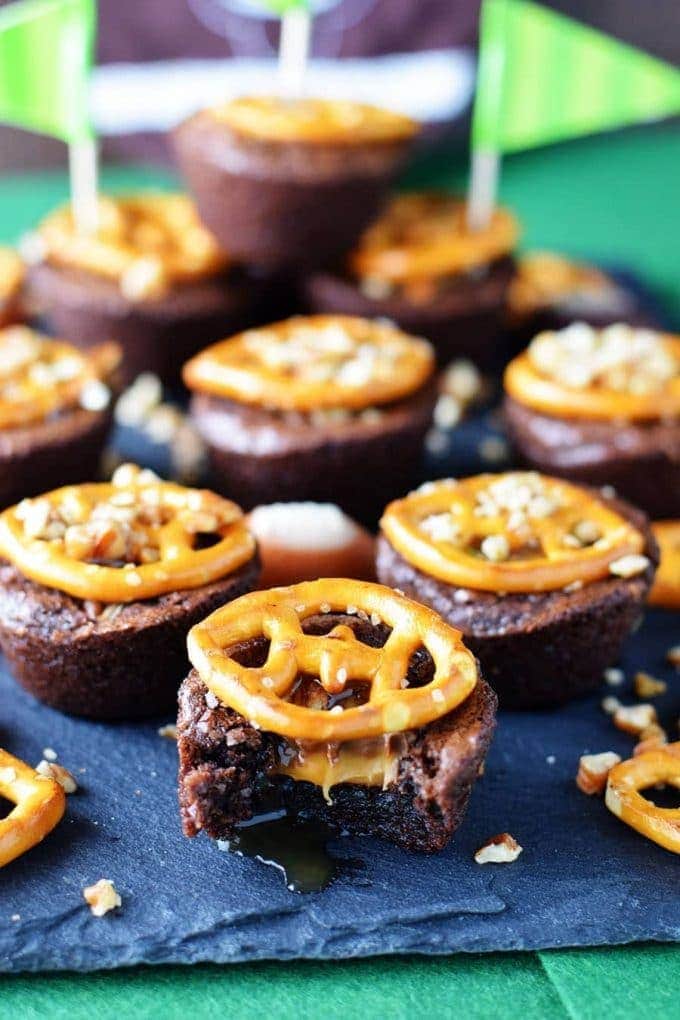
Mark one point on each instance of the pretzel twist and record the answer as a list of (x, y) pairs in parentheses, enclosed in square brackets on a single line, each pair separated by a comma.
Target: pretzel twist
[(40, 805), (425, 234), (40, 377), (666, 588), (162, 231), (337, 659), (171, 519), (623, 797), (539, 555), (313, 121), (12, 272), (314, 362), (549, 394)]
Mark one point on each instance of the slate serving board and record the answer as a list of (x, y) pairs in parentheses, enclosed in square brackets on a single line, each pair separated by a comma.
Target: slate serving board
[(583, 879)]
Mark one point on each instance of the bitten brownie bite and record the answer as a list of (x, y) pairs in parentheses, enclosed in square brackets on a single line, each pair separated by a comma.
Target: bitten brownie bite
[(601, 407), (100, 584), (326, 408), (339, 700), (152, 278), (304, 541), (544, 579), (55, 411), (420, 266), (12, 271), (290, 181)]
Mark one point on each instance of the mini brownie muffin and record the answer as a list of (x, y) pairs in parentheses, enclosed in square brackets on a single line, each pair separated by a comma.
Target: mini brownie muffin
[(550, 291), (151, 278), (544, 579), (55, 411), (339, 700), (100, 584), (290, 181), (326, 408), (666, 590), (601, 407), (304, 541), (12, 272), (421, 266)]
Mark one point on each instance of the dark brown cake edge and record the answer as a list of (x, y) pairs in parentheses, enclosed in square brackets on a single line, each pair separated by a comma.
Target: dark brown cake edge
[(225, 764), (124, 671)]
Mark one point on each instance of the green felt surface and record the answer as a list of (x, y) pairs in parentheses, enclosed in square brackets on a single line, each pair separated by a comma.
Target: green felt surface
[(615, 199)]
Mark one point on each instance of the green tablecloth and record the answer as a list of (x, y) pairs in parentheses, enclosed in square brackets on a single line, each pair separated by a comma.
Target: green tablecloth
[(614, 199)]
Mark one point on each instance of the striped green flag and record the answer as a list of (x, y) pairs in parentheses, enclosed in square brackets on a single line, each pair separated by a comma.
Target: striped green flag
[(282, 7), (543, 77), (46, 52)]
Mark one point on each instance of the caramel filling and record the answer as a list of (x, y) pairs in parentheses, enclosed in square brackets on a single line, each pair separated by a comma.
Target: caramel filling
[(363, 763), (369, 687), (616, 373), (146, 243), (313, 121), (41, 377), (513, 532), (424, 235), (314, 363), (135, 538)]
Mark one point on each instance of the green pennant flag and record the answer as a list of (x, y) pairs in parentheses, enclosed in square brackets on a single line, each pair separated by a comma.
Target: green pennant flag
[(46, 53), (543, 77), (282, 7)]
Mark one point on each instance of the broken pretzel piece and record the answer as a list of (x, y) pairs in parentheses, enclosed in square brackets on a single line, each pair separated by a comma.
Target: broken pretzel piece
[(39, 806), (624, 799)]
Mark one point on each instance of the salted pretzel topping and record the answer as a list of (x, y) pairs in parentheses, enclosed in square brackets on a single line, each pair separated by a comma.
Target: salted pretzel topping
[(426, 234), (340, 662), (146, 243), (544, 279), (11, 273), (314, 121), (666, 588), (39, 806), (40, 377), (513, 532), (134, 538), (314, 362), (660, 765), (619, 372)]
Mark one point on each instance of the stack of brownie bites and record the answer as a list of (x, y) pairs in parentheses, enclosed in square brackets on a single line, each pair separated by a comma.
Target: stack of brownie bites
[(361, 691)]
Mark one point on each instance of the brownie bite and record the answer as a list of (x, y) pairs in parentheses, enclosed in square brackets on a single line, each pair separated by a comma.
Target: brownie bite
[(601, 407), (544, 579), (421, 266), (12, 271), (55, 411), (290, 181), (550, 291), (304, 541), (151, 278), (324, 408), (100, 584), (340, 701)]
